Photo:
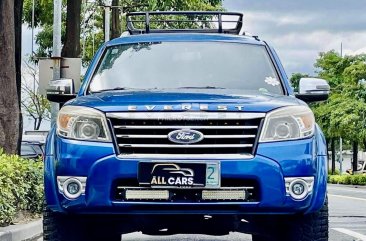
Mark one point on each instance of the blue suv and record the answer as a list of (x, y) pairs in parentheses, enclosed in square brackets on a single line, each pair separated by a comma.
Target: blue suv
[(186, 124)]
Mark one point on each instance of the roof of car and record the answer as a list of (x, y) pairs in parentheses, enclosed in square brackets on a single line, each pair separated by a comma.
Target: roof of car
[(185, 37)]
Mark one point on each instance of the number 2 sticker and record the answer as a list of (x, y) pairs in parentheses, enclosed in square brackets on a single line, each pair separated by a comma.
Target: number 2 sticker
[(212, 175)]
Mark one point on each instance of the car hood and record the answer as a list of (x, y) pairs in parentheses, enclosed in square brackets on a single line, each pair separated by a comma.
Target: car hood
[(155, 100)]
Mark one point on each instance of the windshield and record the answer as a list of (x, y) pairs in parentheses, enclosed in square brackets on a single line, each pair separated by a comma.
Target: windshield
[(171, 65)]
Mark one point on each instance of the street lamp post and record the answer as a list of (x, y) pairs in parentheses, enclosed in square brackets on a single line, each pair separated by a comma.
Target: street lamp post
[(107, 19), (56, 52)]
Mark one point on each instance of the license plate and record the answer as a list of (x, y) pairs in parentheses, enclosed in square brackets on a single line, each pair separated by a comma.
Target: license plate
[(158, 174)]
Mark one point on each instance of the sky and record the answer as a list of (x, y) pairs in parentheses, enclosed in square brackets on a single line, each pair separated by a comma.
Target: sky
[(299, 30)]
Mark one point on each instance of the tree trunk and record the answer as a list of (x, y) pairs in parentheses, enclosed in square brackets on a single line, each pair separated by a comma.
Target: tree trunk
[(71, 48), (333, 155), (9, 101), (18, 12), (116, 20), (355, 156), (39, 122)]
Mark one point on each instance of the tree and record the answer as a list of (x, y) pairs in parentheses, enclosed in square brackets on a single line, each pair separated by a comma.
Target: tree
[(343, 115), (34, 104), (9, 99), (116, 20), (295, 79), (18, 11), (92, 35), (71, 48)]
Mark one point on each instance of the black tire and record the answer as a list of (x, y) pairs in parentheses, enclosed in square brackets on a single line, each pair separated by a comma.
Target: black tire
[(311, 227), (62, 227)]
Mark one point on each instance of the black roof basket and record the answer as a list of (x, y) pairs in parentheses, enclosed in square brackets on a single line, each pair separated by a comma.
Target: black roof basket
[(173, 22)]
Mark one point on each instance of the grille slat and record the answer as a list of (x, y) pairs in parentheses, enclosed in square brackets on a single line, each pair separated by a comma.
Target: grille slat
[(183, 146), (186, 127), (206, 136), (150, 135)]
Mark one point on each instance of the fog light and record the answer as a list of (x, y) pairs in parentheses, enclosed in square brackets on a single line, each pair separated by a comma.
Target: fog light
[(72, 188), (298, 188)]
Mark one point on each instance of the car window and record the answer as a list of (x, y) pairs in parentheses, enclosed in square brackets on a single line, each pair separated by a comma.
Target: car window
[(167, 65), (38, 149), (27, 150)]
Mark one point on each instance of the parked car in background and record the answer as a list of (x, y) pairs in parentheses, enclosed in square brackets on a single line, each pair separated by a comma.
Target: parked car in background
[(32, 146), (361, 168), (32, 150)]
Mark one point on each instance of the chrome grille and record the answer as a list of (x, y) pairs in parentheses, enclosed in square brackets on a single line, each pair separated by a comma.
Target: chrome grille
[(224, 133)]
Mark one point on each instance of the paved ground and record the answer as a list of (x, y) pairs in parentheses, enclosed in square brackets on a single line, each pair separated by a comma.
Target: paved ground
[(347, 207)]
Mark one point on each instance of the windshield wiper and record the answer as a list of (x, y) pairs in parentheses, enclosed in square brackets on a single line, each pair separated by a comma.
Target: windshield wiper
[(113, 89), (202, 87)]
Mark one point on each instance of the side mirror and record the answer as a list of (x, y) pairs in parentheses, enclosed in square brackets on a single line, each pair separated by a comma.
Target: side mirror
[(61, 91), (313, 89)]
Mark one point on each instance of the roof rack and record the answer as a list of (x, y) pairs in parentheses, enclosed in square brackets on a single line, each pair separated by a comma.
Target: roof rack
[(185, 21)]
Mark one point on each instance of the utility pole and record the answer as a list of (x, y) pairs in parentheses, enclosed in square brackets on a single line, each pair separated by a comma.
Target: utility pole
[(32, 55), (340, 156), (107, 19), (342, 49), (56, 52)]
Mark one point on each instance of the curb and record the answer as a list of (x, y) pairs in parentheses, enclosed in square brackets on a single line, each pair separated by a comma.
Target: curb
[(349, 186), (22, 232)]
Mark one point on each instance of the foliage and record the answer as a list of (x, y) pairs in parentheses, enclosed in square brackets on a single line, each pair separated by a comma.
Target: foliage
[(347, 179), (295, 79), (92, 20), (21, 185), (336, 172), (343, 115)]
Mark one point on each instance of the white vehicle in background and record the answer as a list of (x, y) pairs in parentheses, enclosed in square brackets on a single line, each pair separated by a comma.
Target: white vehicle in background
[(361, 168)]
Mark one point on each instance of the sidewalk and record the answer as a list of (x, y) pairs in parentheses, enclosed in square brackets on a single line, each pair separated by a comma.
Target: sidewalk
[(22, 232)]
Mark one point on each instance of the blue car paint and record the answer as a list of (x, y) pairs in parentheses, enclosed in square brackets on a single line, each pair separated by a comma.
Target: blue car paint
[(271, 163), (119, 100)]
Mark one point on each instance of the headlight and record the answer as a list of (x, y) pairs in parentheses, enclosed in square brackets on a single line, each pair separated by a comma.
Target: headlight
[(82, 123), (288, 123)]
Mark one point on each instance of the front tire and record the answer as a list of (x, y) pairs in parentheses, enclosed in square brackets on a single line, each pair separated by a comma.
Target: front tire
[(310, 227), (63, 227)]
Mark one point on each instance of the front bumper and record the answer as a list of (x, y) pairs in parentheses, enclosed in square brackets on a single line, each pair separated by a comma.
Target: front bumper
[(100, 165)]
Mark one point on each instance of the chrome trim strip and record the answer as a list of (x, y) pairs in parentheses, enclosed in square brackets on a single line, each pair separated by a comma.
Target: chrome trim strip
[(187, 115), (187, 156), (185, 146), (186, 127), (202, 188), (166, 136)]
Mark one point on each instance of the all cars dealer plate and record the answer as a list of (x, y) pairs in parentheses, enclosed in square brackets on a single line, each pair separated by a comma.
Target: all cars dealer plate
[(179, 174)]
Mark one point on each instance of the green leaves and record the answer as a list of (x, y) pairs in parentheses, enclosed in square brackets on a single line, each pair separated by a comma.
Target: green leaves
[(21, 185), (92, 20), (295, 79), (344, 114)]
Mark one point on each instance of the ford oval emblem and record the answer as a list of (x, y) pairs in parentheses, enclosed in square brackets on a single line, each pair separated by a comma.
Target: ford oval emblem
[(185, 136)]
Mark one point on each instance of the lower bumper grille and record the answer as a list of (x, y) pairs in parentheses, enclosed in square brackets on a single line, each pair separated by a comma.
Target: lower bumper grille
[(231, 190), (182, 195)]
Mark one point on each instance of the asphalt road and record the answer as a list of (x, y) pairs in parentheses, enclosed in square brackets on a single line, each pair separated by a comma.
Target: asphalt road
[(347, 207)]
